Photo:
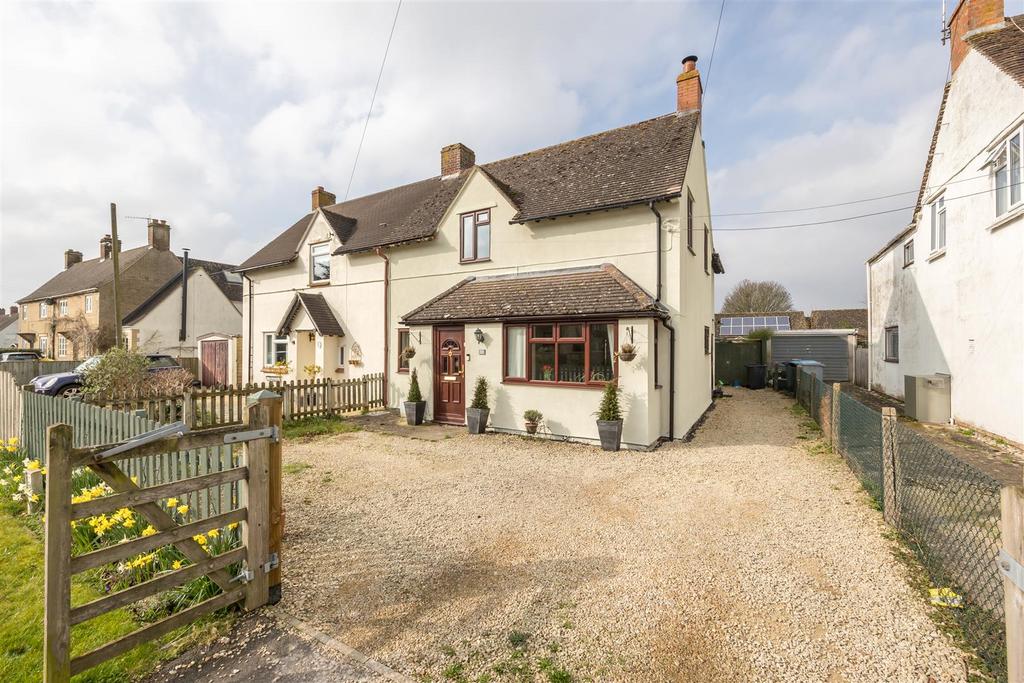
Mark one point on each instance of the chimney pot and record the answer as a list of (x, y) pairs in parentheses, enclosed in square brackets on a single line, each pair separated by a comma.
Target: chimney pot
[(106, 247), (968, 17), (688, 89), (455, 159), (71, 257), (322, 197), (159, 234)]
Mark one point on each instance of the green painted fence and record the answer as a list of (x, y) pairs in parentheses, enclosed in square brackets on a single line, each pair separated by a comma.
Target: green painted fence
[(95, 425)]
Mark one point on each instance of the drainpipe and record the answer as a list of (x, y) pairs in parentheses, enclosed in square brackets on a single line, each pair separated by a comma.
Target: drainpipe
[(182, 333), (671, 331), (251, 340), (387, 334)]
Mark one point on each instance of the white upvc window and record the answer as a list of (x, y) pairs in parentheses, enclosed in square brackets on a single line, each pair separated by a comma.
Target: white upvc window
[(1007, 160), (44, 343), (62, 346), (892, 345), (320, 262), (88, 303), (44, 310), (939, 224), (24, 312), (63, 306), (275, 349)]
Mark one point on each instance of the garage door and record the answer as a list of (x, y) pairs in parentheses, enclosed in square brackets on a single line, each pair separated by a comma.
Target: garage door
[(832, 351)]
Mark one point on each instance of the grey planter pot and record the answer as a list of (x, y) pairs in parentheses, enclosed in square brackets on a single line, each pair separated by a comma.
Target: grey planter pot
[(611, 434), (476, 419), (414, 411)]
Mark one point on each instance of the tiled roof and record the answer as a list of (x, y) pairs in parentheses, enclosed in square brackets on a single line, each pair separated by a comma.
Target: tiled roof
[(840, 319), (578, 292), (319, 312), (1004, 47), (629, 165), (85, 275), (217, 272), (6, 320)]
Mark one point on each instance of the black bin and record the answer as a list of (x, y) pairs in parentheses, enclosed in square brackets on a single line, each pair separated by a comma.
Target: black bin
[(755, 375)]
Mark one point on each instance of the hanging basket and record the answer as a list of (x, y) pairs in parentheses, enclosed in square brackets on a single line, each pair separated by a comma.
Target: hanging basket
[(627, 352)]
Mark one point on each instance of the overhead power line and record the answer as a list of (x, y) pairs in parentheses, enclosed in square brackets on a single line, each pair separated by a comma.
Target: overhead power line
[(373, 98), (714, 44), (851, 218)]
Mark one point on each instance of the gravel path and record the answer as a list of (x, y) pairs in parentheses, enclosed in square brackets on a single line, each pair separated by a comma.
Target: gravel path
[(738, 556)]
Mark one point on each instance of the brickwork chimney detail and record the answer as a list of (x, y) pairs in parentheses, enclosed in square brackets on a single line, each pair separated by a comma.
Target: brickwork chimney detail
[(71, 257), (322, 197), (971, 16), (455, 159), (159, 234), (688, 88)]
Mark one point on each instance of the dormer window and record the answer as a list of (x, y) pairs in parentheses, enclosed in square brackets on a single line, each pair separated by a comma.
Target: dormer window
[(476, 236), (320, 263)]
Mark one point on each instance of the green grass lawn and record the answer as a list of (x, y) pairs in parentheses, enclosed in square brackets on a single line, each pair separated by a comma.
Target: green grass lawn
[(21, 616), (317, 426)]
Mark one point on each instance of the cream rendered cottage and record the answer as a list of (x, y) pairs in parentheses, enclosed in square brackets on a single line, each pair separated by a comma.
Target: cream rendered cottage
[(531, 271)]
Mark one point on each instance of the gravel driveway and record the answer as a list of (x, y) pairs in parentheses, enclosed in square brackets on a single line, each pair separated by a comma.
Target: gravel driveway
[(739, 556)]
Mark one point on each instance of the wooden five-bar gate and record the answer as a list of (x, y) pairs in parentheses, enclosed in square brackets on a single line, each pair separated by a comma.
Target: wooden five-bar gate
[(258, 509)]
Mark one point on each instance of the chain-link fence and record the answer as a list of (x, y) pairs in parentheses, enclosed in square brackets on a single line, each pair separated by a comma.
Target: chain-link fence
[(945, 509)]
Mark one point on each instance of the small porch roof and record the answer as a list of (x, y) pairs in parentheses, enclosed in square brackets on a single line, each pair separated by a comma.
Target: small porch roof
[(319, 312), (588, 292)]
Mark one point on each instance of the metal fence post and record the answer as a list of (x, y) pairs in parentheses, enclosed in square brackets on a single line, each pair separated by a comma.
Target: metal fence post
[(1011, 562), (834, 417), (890, 509)]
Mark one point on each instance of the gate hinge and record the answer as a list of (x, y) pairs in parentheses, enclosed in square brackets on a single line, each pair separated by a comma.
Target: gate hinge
[(245, 576), (271, 564), (1011, 569), (271, 433)]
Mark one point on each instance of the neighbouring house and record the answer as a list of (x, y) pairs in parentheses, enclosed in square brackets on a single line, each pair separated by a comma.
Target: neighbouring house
[(530, 271), (742, 324), (202, 320), (9, 328), (946, 294)]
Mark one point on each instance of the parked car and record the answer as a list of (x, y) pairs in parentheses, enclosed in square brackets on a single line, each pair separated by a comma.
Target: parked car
[(70, 383), (20, 354)]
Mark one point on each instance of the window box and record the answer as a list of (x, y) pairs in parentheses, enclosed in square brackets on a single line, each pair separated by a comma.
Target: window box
[(275, 370)]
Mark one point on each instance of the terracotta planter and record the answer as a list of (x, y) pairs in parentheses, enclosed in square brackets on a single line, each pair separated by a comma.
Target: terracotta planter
[(476, 420), (531, 427), (610, 432), (414, 411)]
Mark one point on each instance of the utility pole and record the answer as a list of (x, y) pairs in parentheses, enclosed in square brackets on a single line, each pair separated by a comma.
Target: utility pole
[(116, 254)]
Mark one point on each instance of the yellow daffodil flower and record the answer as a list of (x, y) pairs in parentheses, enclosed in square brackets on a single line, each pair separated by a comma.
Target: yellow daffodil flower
[(176, 564), (182, 509)]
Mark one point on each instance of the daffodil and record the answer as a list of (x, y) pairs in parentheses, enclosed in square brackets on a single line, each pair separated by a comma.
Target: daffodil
[(182, 509), (149, 531), (213, 533), (172, 502), (232, 526), (200, 539), (176, 564)]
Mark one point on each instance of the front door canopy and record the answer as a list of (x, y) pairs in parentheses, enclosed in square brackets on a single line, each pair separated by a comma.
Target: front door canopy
[(319, 312)]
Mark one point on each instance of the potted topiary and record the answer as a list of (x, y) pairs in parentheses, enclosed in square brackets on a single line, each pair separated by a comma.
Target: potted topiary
[(533, 418), (609, 418), (415, 406), (478, 411)]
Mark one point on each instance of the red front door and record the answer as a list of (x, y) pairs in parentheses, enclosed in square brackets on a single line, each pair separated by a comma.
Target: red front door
[(449, 375)]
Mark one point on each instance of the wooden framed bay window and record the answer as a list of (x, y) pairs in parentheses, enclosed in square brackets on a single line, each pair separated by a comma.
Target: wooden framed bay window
[(561, 352)]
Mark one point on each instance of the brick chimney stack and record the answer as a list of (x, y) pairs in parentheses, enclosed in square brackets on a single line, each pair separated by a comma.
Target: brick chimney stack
[(455, 159), (14, 310), (106, 247), (688, 88), (970, 17), (71, 257), (159, 234), (322, 197)]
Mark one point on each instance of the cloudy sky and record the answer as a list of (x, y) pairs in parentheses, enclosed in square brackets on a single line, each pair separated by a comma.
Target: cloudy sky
[(221, 118)]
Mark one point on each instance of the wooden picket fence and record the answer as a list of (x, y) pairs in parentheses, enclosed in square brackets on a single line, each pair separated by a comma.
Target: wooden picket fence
[(258, 509), (10, 407), (225, 406)]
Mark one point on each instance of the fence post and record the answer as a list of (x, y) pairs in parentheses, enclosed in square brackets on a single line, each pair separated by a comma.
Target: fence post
[(34, 482), (890, 509), (1012, 508), (57, 562), (256, 529), (188, 409), (275, 498), (329, 396), (364, 399), (288, 393), (834, 417)]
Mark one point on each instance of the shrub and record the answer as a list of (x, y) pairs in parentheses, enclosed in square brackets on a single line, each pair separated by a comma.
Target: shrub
[(117, 371), (414, 389), (610, 409), (532, 415), (480, 395), (168, 382), (760, 335)]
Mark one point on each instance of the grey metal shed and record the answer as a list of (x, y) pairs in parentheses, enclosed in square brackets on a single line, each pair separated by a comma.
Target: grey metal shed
[(832, 348)]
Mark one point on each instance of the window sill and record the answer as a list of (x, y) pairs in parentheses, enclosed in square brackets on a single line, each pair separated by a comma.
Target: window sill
[(907, 265), (563, 385), (402, 371), (1008, 217), (892, 360), (325, 283), (471, 261), (936, 255)]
